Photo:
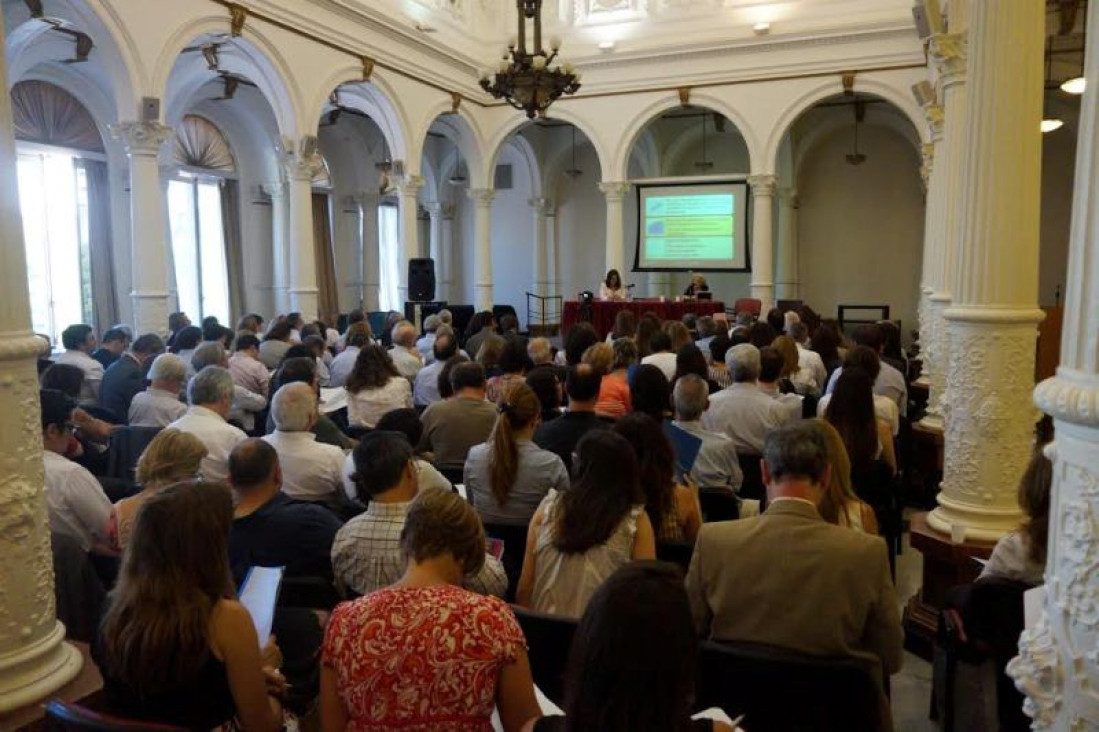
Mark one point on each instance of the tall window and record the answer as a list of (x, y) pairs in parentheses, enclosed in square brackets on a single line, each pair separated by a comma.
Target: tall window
[(389, 257)]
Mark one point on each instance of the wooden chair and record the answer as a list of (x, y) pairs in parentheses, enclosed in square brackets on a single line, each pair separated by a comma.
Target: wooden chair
[(550, 640), (75, 718), (748, 305)]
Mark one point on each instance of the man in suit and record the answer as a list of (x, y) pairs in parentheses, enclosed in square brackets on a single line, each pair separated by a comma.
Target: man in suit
[(125, 378), (787, 578)]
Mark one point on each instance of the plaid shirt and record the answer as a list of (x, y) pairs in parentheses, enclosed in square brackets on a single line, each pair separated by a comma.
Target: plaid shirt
[(366, 554)]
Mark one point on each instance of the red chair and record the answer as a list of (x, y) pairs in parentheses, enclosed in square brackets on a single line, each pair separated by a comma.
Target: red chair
[(75, 718), (748, 305)]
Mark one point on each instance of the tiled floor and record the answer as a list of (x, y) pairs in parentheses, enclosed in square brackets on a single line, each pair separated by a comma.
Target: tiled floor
[(911, 687)]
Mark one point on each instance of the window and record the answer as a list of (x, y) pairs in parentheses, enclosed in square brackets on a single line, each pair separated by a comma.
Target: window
[(198, 246), (389, 257), (53, 198)]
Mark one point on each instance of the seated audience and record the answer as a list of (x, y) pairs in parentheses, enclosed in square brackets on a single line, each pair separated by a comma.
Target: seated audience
[(562, 435), (488, 355), (252, 323), (318, 349), (761, 334), (689, 360), (662, 356), (75, 502), (425, 654), (614, 390), (543, 382), (646, 328), (508, 476), (718, 372), (777, 320), (707, 331), (386, 476), (838, 503), (211, 396), (357, 337), (125, 378), (614, 683), (172, 457), (679, 333), (716, 467), (890, 382), (651, 392), (579, 537), (625, 326), (1021, 555), (845, 605), (482, 329), (304, 370), (265, 516), (827, 342), (426, 343), (453, 426), (673, 508), (811, 375), (406, 359), (296, 322), (176, 323), (698, 284), (444, 346), (247, 370), (406, 422), (175, 646), (851, 411), (159, 404), (79, 343), (612, 288), (540, 352), (771, 368), (867, 361), (580, 338), (245, 403), (310, 470), (513, 368), (275, 345), (742, 411), (375, 387), (892, 352), (187, 341)]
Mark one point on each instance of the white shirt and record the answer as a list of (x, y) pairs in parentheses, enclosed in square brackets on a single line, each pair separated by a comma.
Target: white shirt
[(365, 408), (717, 465), (93, 373), (426, 348), (75, 501), (608, 293), (249, 373), (427, 477), (216, 434), (407, 361), (811, 369), (664, 361), (186, 355), (245, 405), (884, 409), (155, 408), (426, 390), (890, 383), (311, 470), (745, 414), (342, 366), (791, 401)]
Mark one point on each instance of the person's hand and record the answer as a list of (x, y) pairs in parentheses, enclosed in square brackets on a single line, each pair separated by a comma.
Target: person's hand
[(81, 419), (271, 655), (275, 681)]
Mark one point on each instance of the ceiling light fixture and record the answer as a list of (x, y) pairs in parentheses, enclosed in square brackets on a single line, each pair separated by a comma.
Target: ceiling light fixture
[(1051, 125), (761, 29), (1075, 86), (528, 80)]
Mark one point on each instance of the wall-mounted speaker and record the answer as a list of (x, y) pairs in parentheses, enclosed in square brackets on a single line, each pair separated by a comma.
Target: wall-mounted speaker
[(421, 280)]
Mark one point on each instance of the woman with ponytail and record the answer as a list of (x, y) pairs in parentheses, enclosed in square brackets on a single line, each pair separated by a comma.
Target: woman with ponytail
[(508, 476)]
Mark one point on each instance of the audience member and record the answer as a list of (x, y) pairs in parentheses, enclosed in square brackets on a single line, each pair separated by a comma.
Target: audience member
[(444, 347), (865, 359), (662, 356), (375, 387), (79, 343), (777, 320), (580, 338), (651, 392), (614, 390), (176, 323), (827, 342), (172, 457), (211, 396), (716, 467), (406, 422), (1021, 555), (646, 329), (562, 435), (114, 343), (673, 508), (386, 476), (405, 357), (891, 351), (247, 370), (252, 323), (446, 389), (811, 375), (761, 334), (851, 411), (679, 335), (579, 537), (540, 352), (296, 323), (839, 503), (708, 329), (545, 385), (245, 403), (275, 345), (425, 345), (356, 338), (513, 367), (175, 646), (477, 652), (310, 470), (742, 411), (625, 326), (845, 602), (689, 360), (889, 382), (771, 369), (508, 476), (187, 341), (318, 348), (482, 328), (304, 370), (718, 372), (125, 378), (159, 404), (265, 515), (453, 426)]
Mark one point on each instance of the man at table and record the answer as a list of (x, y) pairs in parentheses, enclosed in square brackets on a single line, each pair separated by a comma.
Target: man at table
[(612, 288)]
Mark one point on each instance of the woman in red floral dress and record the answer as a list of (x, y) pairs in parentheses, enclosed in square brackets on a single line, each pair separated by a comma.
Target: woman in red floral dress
[(425, 654)]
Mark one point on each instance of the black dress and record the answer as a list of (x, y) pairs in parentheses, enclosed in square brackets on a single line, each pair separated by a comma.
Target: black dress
[(557, 724)]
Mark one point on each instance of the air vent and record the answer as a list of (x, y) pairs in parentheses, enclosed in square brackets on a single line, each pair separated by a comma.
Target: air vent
[(503, 177)]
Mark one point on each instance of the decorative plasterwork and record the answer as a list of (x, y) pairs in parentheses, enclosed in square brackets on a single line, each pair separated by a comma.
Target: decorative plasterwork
[(1070, 396), (141, 138), (948, 54)]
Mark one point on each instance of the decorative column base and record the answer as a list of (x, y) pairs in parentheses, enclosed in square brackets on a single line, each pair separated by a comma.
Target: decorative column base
[(305, 300), (151, 311), (483, 296), (938, 346), (34, 673)]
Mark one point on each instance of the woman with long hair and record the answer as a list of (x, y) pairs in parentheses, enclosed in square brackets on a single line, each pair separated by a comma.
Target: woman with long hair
[(678, 333), (612, 287), (375, 387), (512, 363), (632, 663), (580, 536), (827, 341), (689, 359), (650, 392), (508, 476), (625, 326), (175, 645), (851, 411), (673, 508), (646, 329), (614, 362), (838, 503)]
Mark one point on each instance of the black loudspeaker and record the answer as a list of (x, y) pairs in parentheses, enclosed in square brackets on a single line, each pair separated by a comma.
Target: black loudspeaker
[(421, 280)]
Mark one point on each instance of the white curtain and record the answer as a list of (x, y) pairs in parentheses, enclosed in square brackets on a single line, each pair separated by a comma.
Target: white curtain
[(389, 297)]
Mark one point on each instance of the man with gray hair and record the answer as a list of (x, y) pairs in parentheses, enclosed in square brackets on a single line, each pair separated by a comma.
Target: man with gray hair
[(540, 351), (404, 354), (424, 345), (245, 403), (742, 411), (159, 405), (311, 471), (717, 466), (425, 389), (707, 329), (211, 395), (833, 596)]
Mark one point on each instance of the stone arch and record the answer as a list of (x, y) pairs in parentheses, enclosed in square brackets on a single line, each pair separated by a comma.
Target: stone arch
[(559, 113), (894, 120), (526, 153), (461, 129), (375, 97), (556, 165)]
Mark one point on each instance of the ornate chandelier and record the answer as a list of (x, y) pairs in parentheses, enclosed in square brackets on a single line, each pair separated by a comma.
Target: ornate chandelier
[(528, 80)]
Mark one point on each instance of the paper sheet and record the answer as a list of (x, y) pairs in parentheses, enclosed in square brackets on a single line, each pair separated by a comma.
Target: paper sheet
[(258, 594)]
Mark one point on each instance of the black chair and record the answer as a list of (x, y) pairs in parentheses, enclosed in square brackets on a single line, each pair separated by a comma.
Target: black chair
[(752, 487), (499, 311), (515, 548), (877, 486), (676, 552), (126, 447), (462, 314), (549, 638), (75, 718), (760, 681), (718, 505), (77, 589), (308, 592)]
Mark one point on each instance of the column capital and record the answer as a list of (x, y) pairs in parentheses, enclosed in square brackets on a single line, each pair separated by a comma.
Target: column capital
[(434, 209), (481, 196), (543, 206), (410, 185), (948, 54), (928, 150), (141, 138), (304, 163), (448, 211), (763, 184), (935, 114), (614, 190), (275, 189)]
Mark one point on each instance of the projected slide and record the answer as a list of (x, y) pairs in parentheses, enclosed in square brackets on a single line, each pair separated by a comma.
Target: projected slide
[(699, 226)]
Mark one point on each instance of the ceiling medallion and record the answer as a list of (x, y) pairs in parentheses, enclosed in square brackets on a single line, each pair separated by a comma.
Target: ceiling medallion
[(529, 80)]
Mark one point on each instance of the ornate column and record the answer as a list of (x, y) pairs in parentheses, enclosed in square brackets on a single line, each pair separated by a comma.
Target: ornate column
[(280, 261), (482, 257), (553, 254), (34, 659), (763, 259), (948, 53), (409, 189), (616, 247), (370, 267), (932, 372), (445, 263), (994, 315), (148, 224), (1058, 667), (786, 284), (301, 167), (542, 208)]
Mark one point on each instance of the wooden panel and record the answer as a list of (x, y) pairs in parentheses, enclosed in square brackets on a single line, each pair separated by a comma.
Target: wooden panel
[(1049, 344)]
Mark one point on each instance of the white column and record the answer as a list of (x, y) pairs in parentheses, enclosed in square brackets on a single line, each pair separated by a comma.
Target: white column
[(409, 188), (553, 252), (763, 255), (482, 225), (370, 268), (34, 659), (660, 284), (541, 210), (148, 224), (1057, 667), (927, 173), (301, 167), (993, 315), (616, 246), (444, 263), (280, 262), (786, 284)]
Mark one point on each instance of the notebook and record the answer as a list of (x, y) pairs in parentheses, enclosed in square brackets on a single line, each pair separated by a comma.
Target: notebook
[(258, 593)]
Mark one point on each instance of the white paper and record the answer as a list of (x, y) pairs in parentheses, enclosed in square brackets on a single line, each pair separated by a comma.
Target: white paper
[(333, 400), (258, 594)]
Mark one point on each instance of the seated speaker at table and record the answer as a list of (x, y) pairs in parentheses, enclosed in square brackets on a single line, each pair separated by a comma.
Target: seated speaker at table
[(612, 288)]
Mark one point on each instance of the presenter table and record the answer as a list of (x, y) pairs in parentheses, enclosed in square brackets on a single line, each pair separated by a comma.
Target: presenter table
[(603, 312)]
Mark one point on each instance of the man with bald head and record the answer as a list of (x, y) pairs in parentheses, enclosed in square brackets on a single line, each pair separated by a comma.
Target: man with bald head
[(311, 471), (563, 434), (404, 354)]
